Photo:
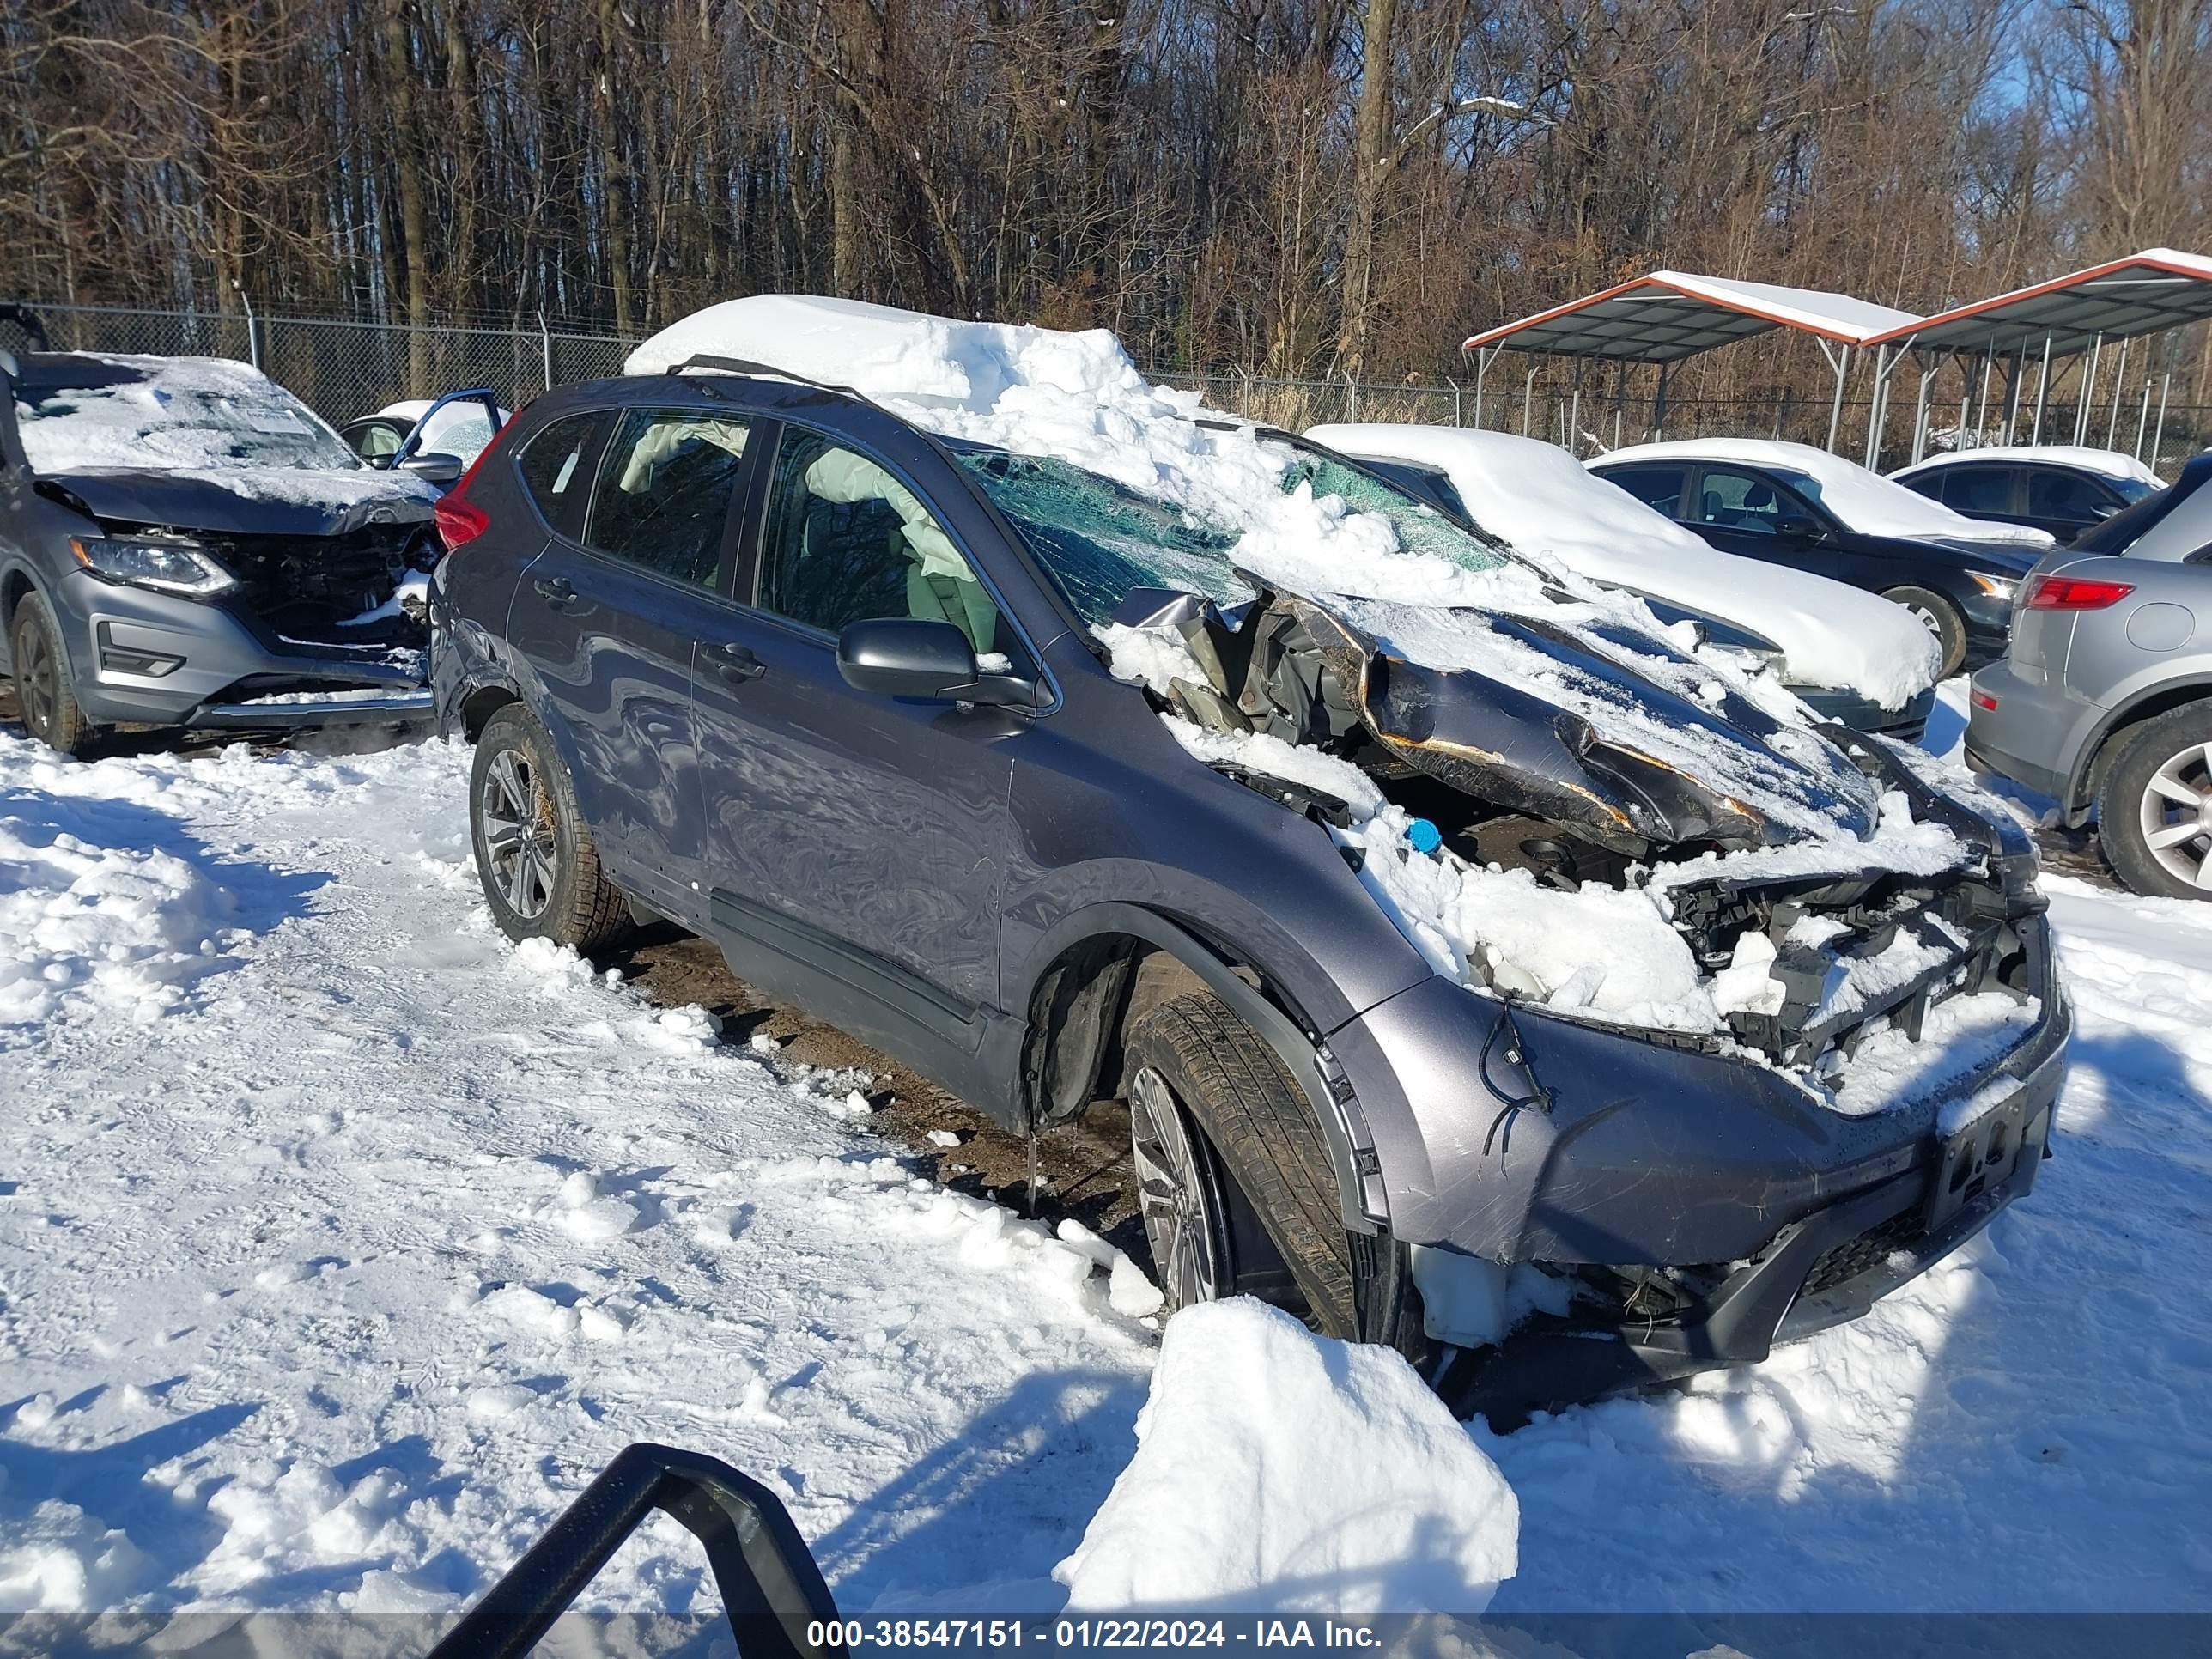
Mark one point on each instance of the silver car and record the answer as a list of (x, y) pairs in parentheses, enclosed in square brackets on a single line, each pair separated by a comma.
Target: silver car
[(2105, 700)]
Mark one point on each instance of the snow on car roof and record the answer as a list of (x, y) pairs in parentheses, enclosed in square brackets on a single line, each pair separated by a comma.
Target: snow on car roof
[(1865, 501), (1539, 498), (2106, 463)]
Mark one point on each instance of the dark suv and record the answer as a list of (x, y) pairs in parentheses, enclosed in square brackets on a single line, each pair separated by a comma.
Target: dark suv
[(769, 661)]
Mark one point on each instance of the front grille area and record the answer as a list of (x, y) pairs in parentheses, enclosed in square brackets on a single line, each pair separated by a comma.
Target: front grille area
[(1843, 1262), (304, 588)]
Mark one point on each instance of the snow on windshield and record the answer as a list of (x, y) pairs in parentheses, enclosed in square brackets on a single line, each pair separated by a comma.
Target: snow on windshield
[(1540, 501), (77, 414), (1864, 502)]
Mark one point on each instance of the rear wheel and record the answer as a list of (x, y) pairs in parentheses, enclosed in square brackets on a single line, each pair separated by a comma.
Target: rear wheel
[(2155, 811), (1235, 1188), (1942, 620), (535, 855), (50, 709)]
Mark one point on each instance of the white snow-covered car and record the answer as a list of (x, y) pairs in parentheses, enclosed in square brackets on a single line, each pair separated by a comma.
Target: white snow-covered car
[(1793, 505), (1853, 657), (2059, 489)]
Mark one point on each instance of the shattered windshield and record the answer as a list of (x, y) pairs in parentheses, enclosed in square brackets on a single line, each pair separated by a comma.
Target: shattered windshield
[(81, 413), (1100, 539)]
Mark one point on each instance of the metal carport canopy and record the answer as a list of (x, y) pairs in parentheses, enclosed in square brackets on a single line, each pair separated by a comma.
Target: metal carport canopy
[(2121, 299), (1672, 314), (2143, 294)]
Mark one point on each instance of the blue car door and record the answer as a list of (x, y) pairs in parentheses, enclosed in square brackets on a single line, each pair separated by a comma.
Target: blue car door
[(607, 618)]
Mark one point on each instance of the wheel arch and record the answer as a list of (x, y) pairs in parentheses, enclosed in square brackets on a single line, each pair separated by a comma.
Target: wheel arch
[(1106, 964), (2105, 743)]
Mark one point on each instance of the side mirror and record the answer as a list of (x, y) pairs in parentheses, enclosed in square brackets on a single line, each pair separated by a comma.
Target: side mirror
[(902, 657), (436, 467), (1801, 529)]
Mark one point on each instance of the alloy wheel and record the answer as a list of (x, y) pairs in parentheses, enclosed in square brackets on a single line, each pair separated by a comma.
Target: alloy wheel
[(38, 681), (2176, 816), (521, 850), (1176, 1194)]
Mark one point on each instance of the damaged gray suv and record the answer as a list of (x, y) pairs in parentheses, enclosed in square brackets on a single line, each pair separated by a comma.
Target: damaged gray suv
[(1488, 977), (183, 543)]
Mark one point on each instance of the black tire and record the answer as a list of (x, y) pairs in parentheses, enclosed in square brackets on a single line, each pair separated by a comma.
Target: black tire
[(542, 881), (1268, 1191), (2140, 797), (51, 711), (1940, 618)]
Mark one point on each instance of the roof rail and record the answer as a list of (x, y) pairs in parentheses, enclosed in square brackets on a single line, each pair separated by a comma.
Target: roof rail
[(763, 371)]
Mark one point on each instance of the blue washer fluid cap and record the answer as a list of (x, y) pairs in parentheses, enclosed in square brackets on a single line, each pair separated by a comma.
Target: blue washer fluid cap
[(1424, 836)]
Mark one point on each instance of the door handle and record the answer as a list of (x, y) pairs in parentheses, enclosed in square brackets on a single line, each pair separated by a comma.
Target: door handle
[(556, 590), (736, 663)]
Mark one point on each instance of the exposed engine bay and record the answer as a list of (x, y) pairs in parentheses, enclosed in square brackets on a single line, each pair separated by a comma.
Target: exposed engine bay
[(1867, 900)]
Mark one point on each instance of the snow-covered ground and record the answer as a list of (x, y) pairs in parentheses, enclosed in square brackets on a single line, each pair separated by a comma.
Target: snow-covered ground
[(341, 1244)]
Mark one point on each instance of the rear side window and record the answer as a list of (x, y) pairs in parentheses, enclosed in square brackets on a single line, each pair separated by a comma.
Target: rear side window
[(664, 492), (556, 468), (1978, 489), (1659, 488)]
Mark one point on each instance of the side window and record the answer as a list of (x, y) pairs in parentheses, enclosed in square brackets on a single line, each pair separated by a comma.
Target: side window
[(1929, 484), (1978, 489), (1659, 488), (2067, 496), (555, 467), (1729, 499), (847, 542), (664, 492)]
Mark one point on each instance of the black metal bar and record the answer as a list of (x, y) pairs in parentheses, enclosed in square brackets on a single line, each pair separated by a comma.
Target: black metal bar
[(771, 1588)]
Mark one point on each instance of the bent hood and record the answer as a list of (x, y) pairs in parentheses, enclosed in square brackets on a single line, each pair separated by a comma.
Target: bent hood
[(248, 501), (1591, 724)]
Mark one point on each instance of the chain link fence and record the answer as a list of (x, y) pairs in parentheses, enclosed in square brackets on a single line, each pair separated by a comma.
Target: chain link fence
[(344, 369)]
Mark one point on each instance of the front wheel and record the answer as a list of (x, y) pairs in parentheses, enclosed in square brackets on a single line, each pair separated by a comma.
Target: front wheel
[(535, 855), (51, 711), (1942, 620), (2155, 811), (1235, 1188)]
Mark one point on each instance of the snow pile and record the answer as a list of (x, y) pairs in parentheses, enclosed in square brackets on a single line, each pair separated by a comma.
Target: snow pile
[(1865, 501), (2116, 463), (1282, 1473), (1539, 498), (91, 922)]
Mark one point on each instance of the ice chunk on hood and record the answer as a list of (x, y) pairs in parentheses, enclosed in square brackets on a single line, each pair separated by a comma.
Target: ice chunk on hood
[(1865, 501), (1279, 1472), (1540, 499)]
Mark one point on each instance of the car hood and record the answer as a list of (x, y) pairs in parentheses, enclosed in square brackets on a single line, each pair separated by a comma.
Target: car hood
[(245, 500), (1579, 719)]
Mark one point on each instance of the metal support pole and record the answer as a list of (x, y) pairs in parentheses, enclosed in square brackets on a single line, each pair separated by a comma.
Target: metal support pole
[(1481, 368), (2119, 388), (2158, 441), (2011, 391), (2042, 385), (252, 326), (1528, 399), (1920, 413), (2142, 419), (1459, 410), (1843, 362), (546, 343), (1575, 407), (2088, 389), (1982, 402), (1659, 403), (1883, 363)]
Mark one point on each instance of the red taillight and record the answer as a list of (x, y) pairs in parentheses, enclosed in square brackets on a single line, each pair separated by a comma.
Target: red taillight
[(2075, 594), (460, 519), (1982, 700)]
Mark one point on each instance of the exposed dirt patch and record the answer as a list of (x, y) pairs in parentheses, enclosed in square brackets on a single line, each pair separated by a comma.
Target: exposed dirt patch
[(1084, 1167), (2074, 853)]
